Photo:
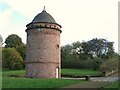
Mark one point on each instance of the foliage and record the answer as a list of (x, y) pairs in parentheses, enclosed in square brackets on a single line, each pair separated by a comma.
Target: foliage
[(90, 54), (22, 50), (109, 65), (96, 63), (14, 41), (11, 59), (98, 48)]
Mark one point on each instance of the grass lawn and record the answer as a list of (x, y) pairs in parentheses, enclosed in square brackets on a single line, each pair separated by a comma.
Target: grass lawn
[(113, 86), (81, 72), (9, 73), (21, 82), (9, 82)]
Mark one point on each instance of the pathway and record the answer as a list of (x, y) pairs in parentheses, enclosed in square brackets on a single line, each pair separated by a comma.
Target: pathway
[(95, 83), (111, 78)]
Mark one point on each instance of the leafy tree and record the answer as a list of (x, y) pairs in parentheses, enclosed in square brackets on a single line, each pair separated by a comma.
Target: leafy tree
[(76, 46), (11, 59), (90, 54), (13, 41), (65, 54), (22, 50), (96, 62), (98, 48)]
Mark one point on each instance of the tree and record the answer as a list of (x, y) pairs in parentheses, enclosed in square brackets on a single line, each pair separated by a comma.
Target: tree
[(11, 59), (22, 50), (90, 54), (65, 54), (13, 41), (76, 46), (98, 48)]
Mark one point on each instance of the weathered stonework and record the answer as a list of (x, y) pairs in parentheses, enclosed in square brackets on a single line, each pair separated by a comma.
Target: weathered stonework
[(43, 50)]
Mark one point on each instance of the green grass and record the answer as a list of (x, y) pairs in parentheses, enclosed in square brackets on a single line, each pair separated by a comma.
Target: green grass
[(9, 82), (9, 73), (21, 82), (112, 86), (81, 72)]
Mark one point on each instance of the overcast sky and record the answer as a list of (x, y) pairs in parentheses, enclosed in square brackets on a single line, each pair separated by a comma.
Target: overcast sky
[(80, 19)]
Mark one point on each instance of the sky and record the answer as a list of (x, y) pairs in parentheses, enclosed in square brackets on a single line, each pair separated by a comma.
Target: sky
[(81, 20)]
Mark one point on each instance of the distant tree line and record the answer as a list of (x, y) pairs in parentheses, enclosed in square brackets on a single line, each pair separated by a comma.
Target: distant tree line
[(97, 54)]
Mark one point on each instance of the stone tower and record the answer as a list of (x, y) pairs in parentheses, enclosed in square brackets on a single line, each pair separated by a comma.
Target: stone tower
[(43, 47)]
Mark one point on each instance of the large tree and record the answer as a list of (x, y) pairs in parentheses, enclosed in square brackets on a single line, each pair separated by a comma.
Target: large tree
[(13, 41), (98, 47), (90, 54)]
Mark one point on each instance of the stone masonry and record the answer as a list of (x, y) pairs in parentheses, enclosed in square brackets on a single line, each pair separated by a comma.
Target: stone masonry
[(43, 48)]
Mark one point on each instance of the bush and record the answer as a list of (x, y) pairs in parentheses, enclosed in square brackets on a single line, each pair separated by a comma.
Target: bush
[(109, 65), (11, 59)]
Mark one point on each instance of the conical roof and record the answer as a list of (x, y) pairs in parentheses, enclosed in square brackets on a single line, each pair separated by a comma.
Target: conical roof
[(44, 17)]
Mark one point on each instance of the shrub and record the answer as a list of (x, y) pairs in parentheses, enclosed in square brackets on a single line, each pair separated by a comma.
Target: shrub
[(11, 59), (109, 65)]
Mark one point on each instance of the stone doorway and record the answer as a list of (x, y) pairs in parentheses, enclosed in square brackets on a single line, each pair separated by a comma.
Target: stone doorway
[(57, 72)]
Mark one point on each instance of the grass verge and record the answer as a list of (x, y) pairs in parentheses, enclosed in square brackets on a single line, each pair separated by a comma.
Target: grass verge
[(9, 82), (112, 86), (81, 72), (78, 72), (15, 73)]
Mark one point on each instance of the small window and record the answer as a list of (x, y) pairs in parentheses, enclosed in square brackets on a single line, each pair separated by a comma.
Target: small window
[(57, 46)]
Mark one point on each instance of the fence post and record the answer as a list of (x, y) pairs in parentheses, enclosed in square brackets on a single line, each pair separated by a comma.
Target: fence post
[(88, 77)]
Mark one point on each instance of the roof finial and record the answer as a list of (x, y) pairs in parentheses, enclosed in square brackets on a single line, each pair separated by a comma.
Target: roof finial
[(44, 8)]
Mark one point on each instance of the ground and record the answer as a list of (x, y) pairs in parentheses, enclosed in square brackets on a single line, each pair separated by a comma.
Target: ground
[(20, 81), (96, 83)]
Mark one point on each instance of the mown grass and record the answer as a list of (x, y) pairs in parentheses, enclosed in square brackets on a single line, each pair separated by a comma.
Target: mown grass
[(15, 79), (112, 86), (81, 72), (9, 82), (19, 73)]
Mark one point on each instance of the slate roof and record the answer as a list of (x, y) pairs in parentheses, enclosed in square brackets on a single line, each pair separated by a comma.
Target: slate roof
[(44, 17)]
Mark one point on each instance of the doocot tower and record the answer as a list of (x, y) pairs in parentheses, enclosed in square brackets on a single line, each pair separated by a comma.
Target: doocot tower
[(43, 47)]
